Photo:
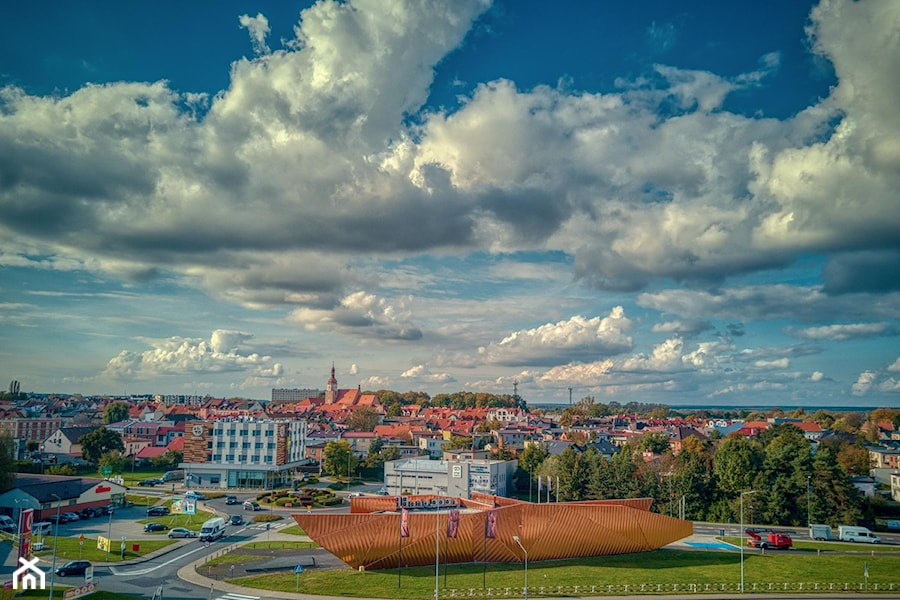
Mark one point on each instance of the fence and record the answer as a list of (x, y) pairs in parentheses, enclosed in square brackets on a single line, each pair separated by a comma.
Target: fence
[(671, 588)]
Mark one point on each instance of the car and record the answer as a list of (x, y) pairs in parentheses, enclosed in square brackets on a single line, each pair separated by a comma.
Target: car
[(191, 494), (7, 524), (181, 532), (157, 511), (231, 500), (75, 567), (356, 494), (54, 518), (107, 510), (155, 527), (251, 505), (382, 492), (236, 520), (148, 482), (70, 516)]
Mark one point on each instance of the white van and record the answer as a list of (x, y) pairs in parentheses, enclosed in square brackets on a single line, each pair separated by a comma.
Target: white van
[(7, 524), (212, 529), (42, 528), (857, 534)]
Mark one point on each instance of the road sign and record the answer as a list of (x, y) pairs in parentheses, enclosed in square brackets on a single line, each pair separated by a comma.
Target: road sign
[(106, 471), (298, 569), (89, 574), (102, 543), (81, 538)]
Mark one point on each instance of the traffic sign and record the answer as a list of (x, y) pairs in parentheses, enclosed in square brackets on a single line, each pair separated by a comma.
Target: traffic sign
[(81, 538), (89, 574), (298, 569)]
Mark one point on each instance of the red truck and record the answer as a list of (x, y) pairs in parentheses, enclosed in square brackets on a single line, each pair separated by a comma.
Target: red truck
[(765, 538)]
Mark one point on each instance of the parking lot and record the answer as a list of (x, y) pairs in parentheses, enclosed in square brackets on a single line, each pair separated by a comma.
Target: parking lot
[(122, 522)]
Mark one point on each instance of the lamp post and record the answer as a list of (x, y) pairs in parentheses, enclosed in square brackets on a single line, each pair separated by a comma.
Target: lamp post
[(742, 536), (55, 540), (808, 513), (519, 542)]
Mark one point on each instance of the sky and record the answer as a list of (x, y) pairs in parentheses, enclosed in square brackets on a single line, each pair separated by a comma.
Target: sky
[(686, 203)]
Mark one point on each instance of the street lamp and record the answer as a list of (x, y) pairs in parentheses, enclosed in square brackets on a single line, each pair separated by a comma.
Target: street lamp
[(808, 518), (519, 542), (55, 540), (742, 536)]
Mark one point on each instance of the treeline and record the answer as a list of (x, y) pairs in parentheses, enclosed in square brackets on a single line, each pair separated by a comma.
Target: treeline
[(790, 483), (393, 401)]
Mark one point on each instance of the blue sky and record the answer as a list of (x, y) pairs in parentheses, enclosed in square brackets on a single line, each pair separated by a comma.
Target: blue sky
[(662, 202)]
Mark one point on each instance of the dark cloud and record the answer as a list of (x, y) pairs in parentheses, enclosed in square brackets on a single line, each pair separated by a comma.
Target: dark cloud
[(875, 272)]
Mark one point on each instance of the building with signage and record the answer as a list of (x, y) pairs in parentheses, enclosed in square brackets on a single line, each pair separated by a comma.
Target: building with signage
[(381, 532), (48, 493), (243, 453), (456, 478)]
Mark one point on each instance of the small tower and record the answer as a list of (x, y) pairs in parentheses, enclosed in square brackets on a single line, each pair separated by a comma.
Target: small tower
[(331, 389)]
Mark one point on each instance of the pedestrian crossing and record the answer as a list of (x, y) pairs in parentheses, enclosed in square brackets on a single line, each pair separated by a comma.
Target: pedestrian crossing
[(234, 596)]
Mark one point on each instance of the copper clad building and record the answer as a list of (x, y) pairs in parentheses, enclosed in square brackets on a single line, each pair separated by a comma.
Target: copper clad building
[(370, 537)]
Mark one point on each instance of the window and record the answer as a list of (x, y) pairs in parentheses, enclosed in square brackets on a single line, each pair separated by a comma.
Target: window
[(258, 445), (245, 445), (209, 444), (242, 457), (243, 432), (217, 457), (231, 432), (254, 459), (271, 445), (220, 444), (268, 459), (255, 433), (229, 457), (269, 433), (232, 444)]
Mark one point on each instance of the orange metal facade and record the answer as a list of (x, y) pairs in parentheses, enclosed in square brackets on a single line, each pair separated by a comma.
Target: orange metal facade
[(371, 539)]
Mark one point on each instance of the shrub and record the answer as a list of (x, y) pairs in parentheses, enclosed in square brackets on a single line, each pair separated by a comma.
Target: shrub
[(259, 497), (266, 518)]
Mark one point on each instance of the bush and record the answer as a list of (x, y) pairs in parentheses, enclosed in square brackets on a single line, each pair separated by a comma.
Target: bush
[(331, 501), (337, 486), (266, 518), (259, 497)]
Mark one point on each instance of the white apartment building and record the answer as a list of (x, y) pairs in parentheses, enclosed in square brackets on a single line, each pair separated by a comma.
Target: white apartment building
[(458, 479), (243, 453)]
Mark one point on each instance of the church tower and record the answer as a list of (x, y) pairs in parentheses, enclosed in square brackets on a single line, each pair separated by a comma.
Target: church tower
[(331, 390)]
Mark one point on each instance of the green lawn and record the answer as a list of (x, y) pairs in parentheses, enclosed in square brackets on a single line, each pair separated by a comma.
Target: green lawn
[(68, 549), (131, 479), (292, 530), (663, 567)]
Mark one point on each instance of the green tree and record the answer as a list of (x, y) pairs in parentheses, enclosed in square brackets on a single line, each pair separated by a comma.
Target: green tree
[(854, 460), (502, 453), (7, 460), (171, 458), (654, 441), (692, 479), (114, 460), (339, 459), (833, 499), (575, 474), (115, 412), (736, 462), (364, 418), (98, 442), (531, 458)]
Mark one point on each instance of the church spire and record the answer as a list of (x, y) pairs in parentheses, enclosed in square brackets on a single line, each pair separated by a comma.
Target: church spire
[(331, 388)]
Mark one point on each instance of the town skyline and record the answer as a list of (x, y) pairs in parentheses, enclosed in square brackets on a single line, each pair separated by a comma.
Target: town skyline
[(682, 205)]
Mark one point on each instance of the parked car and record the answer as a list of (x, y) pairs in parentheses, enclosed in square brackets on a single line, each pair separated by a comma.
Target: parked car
[(157, 511), (154, 527), (181, 532), (70, 516), (251, 505), (88, 513), (108, 509), (148, 482), (231, 500), (195, 495), (42, 528), (54, 518), (236, 520), (7, 524), (75, 567)]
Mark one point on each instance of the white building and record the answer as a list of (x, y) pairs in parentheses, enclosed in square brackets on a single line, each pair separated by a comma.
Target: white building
[(447, 478), (243, 453)]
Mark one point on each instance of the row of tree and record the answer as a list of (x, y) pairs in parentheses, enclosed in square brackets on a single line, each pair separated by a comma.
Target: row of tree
[(791, 484)]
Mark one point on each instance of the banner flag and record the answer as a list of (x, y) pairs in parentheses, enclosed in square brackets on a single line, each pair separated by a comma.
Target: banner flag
[(549, 483), (490, 524), (404, 523), (453, 523)]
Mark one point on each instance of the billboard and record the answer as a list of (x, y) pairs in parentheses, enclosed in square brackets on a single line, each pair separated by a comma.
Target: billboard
[(185, 506), (26, 520)]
